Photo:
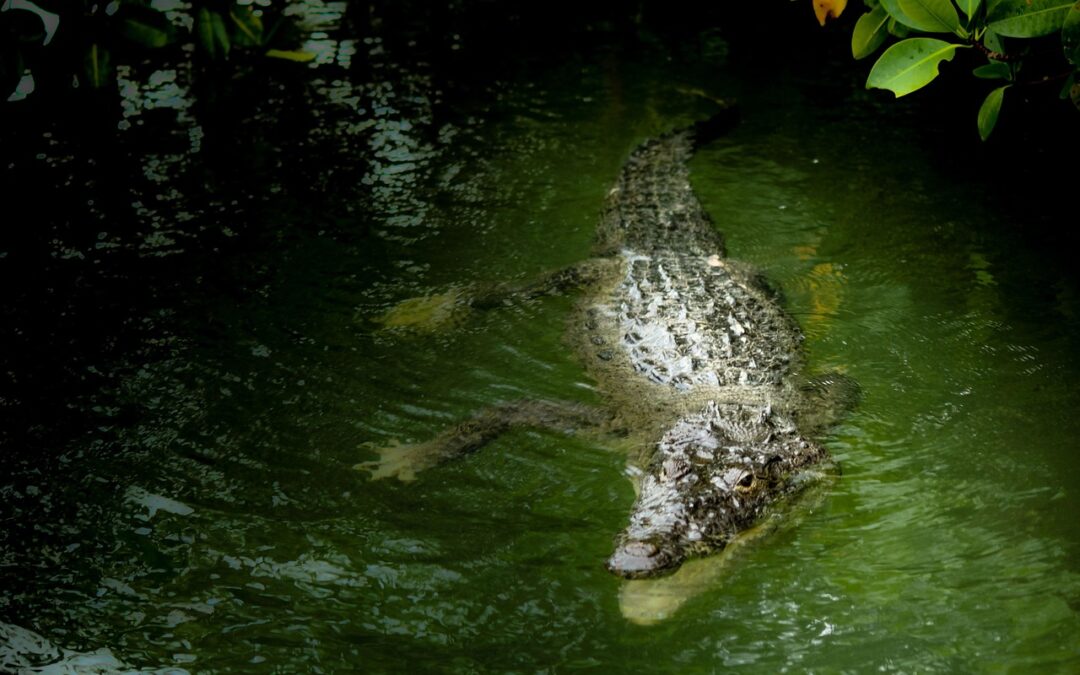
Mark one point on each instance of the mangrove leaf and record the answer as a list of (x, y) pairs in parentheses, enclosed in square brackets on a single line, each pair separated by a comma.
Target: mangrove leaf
[(1070, 35), (204, 33), (995, 70), (968, 7), (910, 65), (992, 41), (249, 28), (928, 16), (870, 32), (1028, 18), (897, 29), (988, 111), (1067, 88), (221, 35), (828, 9), (146, 27), (894, 10), (290, 55), (97, 66)]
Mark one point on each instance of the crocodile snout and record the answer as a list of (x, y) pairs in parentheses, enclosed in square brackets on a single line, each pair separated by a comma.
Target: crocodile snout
[(638, 559)]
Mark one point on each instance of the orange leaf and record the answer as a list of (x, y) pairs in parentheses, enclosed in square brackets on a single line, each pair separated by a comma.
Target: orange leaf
[(828, 9)]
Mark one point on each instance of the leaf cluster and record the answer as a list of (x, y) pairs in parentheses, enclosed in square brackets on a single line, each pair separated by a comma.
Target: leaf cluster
[(91, 34), (1007, 33), (222, 26)]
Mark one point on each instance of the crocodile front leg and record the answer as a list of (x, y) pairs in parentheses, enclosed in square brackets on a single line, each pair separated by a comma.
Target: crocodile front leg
[(404, 461), (565, 280), (453, 305)]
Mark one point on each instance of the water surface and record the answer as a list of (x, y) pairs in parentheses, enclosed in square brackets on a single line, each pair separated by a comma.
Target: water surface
[(185, 497)]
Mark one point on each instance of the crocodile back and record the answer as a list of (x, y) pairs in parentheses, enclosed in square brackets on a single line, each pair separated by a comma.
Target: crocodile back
[(687, 320), (684, 315), (652, 206)]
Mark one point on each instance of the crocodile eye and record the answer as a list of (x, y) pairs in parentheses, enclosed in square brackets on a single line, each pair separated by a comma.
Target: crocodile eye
[(747, 480)]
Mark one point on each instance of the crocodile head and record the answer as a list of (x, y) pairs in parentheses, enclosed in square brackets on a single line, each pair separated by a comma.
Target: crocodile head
[(714, 474)]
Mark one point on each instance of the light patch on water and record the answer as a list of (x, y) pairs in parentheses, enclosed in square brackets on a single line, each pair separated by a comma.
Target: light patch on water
[(308, 570), (163, 91), (154, 503), (50, 21), (178, 12), (23, 88), (25, 652), (316, 15)]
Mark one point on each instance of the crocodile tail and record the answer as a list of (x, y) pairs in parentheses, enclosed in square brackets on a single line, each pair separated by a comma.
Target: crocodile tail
[(707, 131)]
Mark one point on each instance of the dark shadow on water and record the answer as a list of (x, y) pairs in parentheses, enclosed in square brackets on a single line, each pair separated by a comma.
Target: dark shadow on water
[(191, 268)]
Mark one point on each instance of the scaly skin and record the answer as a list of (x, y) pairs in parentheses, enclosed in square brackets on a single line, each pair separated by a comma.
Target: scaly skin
[(699, 363)]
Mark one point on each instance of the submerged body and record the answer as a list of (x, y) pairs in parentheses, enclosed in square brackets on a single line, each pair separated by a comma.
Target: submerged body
[(698, 363)]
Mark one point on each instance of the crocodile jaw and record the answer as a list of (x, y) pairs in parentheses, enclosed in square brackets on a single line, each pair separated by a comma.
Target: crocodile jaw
[(641, 559), (650, 545), (714, 475)]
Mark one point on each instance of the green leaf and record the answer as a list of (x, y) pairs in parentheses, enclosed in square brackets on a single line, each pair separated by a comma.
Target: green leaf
[(1069, 82), (894, 10), (1028, 18), (1070, 35), (928, 16), (97, 66), (969, 7), (221, 36), (870, 32), (934, 16), (910, 65), (204, 30), (992, 41), (144, 26), (897, 29), (995, 70), (988, 111), (144, 33), (249, 28), (290, 55)]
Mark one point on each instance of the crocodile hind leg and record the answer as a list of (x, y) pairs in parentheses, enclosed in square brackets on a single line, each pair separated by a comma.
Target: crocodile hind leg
[(826, 399), (404, 461)]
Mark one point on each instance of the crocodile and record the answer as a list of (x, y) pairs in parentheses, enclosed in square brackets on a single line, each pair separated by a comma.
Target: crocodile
[(700, 369)]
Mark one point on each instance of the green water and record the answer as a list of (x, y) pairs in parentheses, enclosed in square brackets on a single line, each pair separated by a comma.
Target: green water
[(211, 520)]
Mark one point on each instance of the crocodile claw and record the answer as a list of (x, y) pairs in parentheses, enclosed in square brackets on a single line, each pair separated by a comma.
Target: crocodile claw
[(396, 460), (428, 312)]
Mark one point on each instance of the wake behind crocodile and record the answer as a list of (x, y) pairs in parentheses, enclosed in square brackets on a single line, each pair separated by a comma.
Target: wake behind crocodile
[(699, 367)]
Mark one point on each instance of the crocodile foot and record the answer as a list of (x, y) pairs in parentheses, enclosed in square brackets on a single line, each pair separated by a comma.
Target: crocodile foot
[(428, 312), (397, 460)]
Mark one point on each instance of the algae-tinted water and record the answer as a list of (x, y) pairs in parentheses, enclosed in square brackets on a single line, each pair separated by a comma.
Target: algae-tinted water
[(207, 366)]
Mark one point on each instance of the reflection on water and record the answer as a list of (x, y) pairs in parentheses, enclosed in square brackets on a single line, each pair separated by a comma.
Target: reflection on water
[(211, 356), (24, 651)]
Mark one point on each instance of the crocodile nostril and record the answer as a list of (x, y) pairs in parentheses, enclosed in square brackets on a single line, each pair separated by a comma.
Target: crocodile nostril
[(773, 466), (641, 548), (673, 469)]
